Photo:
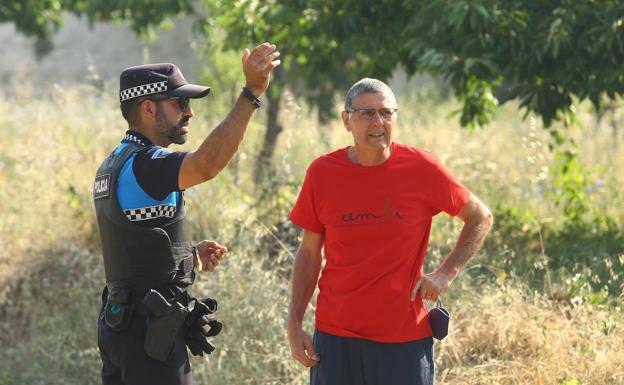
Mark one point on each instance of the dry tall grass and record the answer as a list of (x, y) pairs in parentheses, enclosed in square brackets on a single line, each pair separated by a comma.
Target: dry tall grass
[(501, 334)]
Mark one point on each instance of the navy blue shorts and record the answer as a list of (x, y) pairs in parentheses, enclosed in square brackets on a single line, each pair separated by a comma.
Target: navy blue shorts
[(356, 361)]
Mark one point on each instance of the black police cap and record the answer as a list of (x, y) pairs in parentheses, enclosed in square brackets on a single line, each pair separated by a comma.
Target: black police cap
[(158, 78)]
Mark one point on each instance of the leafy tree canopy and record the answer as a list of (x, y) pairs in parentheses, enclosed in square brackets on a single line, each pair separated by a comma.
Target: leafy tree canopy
[(40, 18), (543, 53), (321, 53)]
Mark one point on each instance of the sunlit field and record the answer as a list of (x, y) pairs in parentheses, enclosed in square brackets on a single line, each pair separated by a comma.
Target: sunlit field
[(540, 304)]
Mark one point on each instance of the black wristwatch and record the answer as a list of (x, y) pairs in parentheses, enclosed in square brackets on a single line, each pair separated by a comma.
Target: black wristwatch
[(252, 98)]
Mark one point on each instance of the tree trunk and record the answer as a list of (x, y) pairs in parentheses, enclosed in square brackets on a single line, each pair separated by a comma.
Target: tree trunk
[(273, 97), (325, 103), (613, 106), (324, 106)]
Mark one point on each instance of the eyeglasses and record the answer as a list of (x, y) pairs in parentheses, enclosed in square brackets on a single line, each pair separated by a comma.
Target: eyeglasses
[(183, 103), (370, 113)]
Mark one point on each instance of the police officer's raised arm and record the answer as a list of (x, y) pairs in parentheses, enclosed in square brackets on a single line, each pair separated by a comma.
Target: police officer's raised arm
[(222, 143)]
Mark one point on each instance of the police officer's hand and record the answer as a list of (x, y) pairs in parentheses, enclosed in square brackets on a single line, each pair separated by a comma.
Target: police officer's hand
[(210, 254), (430, 286), (257, 67), (301, 347)]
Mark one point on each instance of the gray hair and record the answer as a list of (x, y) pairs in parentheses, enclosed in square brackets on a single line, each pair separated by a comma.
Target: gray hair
[(365, 86)]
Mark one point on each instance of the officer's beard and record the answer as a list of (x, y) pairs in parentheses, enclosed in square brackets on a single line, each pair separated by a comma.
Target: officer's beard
[(174, 133)]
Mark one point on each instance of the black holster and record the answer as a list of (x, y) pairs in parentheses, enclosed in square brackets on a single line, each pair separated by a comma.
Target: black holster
[(166, 321)]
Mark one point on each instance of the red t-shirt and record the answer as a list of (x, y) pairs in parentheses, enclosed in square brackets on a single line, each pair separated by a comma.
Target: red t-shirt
[(376, 223)]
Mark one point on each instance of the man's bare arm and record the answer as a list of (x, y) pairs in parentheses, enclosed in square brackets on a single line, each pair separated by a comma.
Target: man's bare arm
[(223, 142), (477, 223), (305, 275)]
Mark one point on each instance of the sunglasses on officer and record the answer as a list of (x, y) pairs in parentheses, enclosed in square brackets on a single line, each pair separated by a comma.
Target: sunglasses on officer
[(183, 103)]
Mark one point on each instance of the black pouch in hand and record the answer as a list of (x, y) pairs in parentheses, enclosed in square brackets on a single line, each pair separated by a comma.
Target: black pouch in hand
[(118, 310), (439, 319)]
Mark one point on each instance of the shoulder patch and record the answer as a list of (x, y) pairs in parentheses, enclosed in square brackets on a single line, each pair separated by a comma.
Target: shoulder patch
[(101, 186), (161, 153)]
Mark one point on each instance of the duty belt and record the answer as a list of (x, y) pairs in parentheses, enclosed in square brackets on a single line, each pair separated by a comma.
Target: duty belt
[(166, 318)]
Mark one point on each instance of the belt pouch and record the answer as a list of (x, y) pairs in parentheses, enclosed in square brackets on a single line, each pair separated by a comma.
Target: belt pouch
[(118, 310)]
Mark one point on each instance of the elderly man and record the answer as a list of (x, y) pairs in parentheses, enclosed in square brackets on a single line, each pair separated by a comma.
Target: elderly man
[(369, 206), (146, 321)]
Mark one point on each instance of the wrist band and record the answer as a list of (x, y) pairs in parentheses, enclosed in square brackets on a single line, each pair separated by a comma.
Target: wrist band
[(252, 98)]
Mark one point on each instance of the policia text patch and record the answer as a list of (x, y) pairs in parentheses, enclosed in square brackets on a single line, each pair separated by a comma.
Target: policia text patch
[(101, 186)]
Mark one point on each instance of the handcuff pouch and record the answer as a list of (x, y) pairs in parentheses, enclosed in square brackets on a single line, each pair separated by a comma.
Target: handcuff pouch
[(118, 309)]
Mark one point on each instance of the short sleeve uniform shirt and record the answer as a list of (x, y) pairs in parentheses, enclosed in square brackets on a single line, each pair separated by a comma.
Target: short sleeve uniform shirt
[(147, 187)]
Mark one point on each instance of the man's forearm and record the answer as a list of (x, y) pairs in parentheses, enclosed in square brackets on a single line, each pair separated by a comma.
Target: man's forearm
[(222, 143), (470, 241), (304, 280)]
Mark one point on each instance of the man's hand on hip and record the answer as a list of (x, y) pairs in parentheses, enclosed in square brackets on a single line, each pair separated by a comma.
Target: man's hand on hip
[(209, 255), (301, 347), (477, 223), (430, 286)]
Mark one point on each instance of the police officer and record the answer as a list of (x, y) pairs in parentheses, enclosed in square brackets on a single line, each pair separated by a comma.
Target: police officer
[(138, 195)]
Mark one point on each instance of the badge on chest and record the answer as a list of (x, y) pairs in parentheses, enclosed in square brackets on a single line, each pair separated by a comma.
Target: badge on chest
[(101, 186)]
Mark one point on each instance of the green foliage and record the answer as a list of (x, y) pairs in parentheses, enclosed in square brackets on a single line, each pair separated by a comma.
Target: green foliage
[(323, 49), (542, 53), (586, 253), (478, 103), (40, 18), (571, 182), (34, 18)]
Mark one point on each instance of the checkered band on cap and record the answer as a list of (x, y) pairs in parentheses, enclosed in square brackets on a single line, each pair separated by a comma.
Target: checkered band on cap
[(144, 89), (145, 213)]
